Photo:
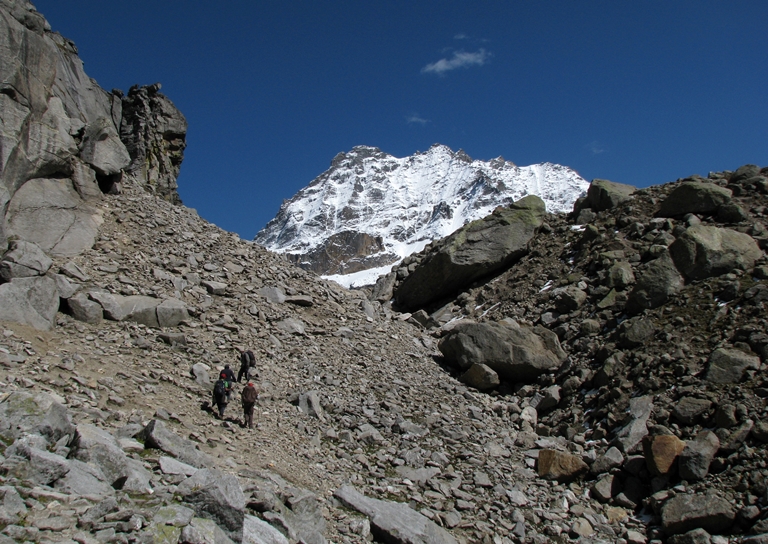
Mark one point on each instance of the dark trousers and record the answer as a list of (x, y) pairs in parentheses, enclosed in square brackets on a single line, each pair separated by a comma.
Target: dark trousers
[(221, 404), (242, 372), (248, 413)]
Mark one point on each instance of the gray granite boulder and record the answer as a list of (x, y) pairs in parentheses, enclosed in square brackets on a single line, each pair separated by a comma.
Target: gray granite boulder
[(658, 281), (694, 461), (23, 260), (157, 435), (102, 148), (31, 301), (604, 195), (517, 353), (703, 251), (694, 197), (84, 479), (728, 365), (50, 213), (394, 522), (149, 311), (686, 512), (216, 495), (26, 413), (98, 447), (84, 309), (257, 531), (479, 248), (481, 377), (635, 427)]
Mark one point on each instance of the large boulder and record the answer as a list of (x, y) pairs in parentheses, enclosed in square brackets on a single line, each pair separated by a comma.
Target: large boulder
[(658, 281), (216, 495), (686, 512), (23, 260), (517, 353), (694, 197), (149, 311), (395, 522), (25, 413), (98, 447), (476, 250), (704, 251), (50, 213), (604, 195), (31, 301), (728, 365), (157, 435), (102, 148)]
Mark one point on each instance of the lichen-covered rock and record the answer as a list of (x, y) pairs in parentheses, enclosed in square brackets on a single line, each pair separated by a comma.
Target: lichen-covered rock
[(515, 352), (694, 197), (476, 250), (703, 251), (604, 195), (154, 132), (216, 495)]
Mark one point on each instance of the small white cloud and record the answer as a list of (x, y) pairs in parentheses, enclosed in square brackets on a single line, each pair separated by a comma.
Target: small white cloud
[(460, 59), (460, 36), (416, 119), (595, 147)]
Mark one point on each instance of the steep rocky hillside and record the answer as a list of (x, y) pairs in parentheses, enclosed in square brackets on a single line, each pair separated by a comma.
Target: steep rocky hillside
[(656, 389), (533, 377)]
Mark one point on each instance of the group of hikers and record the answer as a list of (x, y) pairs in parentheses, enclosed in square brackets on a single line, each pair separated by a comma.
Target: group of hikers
[(224, 387)]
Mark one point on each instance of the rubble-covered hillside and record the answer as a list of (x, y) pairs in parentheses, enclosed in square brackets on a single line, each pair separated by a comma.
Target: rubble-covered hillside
[(529, 378)]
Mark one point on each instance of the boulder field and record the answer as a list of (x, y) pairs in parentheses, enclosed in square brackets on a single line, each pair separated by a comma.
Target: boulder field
[(596, 377)]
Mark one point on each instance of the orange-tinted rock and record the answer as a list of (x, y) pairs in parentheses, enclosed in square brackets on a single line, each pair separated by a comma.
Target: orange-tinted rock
[(561, 466), (661, 452)]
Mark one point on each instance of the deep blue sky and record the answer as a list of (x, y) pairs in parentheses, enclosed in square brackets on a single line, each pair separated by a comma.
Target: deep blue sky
[(636, 92)]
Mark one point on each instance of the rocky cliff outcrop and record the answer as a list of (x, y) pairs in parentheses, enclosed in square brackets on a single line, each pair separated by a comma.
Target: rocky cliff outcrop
[(154, 132), (64, 142)]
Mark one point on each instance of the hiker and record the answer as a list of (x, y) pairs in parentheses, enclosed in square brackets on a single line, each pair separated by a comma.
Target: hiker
[(221, 391), (249, 396), (247, 361), (229, 375)]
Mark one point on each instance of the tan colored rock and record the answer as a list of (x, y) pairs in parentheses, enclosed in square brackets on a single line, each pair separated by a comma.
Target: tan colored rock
[(560, 466), (661, 452)]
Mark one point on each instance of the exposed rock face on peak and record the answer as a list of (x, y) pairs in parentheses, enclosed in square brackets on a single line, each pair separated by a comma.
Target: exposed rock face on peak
[(404, 202)]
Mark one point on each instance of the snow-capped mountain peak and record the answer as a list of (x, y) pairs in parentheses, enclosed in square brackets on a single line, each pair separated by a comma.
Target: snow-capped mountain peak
[(371, 209)]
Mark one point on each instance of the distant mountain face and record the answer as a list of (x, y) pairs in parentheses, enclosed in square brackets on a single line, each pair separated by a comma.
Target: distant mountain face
[(370, 209)]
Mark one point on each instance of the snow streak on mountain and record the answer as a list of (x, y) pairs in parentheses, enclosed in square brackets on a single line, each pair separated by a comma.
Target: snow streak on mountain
[(371, 209)]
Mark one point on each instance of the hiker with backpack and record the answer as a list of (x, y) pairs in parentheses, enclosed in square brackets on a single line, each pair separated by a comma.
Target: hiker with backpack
[(249, 396), (221, 392), (229, 375), (247, 362)]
